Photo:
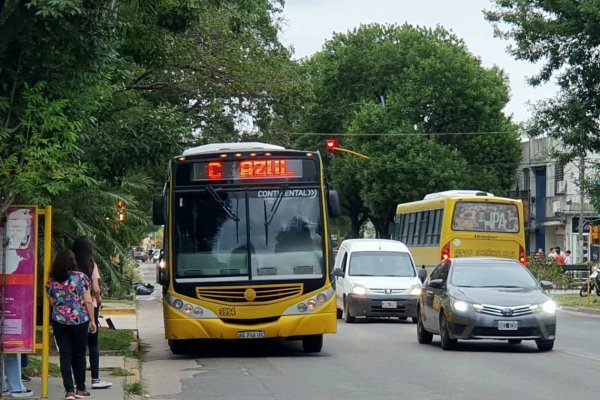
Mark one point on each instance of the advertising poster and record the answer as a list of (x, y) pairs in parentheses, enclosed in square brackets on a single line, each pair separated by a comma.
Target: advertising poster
[(18, 289)]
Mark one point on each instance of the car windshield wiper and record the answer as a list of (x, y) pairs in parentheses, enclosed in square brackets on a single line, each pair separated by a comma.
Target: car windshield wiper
[(502, 286)]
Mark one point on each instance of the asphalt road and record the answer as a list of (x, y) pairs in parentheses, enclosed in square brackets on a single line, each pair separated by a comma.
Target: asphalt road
[(375, 359)]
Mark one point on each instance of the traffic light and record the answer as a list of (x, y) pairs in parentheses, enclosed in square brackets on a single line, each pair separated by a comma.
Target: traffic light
[(331, 145), (121, 211)]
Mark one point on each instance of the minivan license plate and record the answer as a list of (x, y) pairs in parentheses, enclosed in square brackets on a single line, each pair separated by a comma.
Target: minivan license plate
[(389, 304), (251, 334), (508, 325)]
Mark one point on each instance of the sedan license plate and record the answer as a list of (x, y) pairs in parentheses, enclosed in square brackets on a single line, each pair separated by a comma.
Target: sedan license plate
[(389, 304), (508, 325), (251, 334)]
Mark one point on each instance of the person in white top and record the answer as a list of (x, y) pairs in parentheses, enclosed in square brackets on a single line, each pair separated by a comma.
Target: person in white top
[(85, 262), (568, 257)]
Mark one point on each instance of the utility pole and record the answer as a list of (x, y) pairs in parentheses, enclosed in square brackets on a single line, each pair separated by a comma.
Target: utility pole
[(581, 199)]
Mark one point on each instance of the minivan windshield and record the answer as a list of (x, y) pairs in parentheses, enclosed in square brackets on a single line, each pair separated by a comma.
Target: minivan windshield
[(381, 263), (506, 276)]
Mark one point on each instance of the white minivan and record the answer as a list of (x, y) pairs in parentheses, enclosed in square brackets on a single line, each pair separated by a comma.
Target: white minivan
[(375, 278)]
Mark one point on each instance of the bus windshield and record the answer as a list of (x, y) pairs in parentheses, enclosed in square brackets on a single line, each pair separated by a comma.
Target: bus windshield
[(249, 234), (485, 217)]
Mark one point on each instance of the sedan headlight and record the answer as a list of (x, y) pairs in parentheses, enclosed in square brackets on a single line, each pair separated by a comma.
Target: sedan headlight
[(549, 307), (461, 305), (359, 290)]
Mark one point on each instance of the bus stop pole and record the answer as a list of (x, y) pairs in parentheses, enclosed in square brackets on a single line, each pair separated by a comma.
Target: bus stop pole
[(46, 301)]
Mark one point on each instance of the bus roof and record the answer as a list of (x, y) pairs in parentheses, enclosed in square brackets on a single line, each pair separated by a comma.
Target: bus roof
[(457, 193), (230, 147)]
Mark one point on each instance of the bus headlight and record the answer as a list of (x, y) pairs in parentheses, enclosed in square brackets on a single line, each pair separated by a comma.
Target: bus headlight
[(188, 308), (321, 299), (302, 307), (198, 311), (178, 303), (312, 304)]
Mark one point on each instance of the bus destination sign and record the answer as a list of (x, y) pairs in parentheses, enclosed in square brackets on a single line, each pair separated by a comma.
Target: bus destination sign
[(272, 168)]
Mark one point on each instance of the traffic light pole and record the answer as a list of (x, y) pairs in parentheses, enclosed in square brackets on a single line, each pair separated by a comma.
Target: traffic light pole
[(354, 153)]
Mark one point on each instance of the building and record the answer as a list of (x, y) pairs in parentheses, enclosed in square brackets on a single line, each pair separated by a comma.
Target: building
[(552, 202)]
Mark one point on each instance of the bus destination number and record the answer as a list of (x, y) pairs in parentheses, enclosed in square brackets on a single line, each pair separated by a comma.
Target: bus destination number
[(227, 312)]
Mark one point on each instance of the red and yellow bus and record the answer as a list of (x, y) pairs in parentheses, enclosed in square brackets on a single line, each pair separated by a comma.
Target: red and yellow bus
[(247, 246), (461, 223)]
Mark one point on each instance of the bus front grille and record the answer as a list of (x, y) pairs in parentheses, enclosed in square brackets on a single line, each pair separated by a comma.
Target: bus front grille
[(262, 294)]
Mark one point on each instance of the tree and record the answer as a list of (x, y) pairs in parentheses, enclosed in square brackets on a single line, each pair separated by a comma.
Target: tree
[(563, 36), (402, 90)]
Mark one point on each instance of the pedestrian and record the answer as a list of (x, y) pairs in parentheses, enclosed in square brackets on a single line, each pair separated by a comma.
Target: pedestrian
[(82, 248), (12, 384), (24, 364), (422, 274), (71, 302), (539, 254), (568, 257), (552, 253), (559, 258)]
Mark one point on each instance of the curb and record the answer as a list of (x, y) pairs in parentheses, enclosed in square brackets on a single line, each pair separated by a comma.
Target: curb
[(586, 310), (133, 367), (117, 311)]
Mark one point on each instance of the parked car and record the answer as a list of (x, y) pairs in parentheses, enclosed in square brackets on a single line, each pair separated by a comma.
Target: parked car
[(138, 254), (375, 278), (156, 255), (485, 298)]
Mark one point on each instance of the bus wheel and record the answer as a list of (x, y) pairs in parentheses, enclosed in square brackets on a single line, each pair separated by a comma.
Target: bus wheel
[(178, 347), (312, 344)]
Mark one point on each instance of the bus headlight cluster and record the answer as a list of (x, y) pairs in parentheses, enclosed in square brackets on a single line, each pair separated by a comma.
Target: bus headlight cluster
[(311, 304), (187, 308)]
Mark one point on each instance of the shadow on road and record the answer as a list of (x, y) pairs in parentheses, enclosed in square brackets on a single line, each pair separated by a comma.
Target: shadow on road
[(251, 348)]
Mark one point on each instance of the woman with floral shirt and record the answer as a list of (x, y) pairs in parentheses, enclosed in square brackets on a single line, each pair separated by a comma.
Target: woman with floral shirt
[(71, 301)]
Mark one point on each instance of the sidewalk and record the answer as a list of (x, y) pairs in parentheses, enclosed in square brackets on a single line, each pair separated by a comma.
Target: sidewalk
[(121, 316)]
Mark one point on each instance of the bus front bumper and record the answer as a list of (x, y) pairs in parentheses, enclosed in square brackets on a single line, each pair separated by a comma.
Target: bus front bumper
[(286, 326)]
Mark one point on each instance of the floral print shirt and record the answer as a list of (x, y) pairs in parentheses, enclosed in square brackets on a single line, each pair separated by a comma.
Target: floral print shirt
[(69, 305)]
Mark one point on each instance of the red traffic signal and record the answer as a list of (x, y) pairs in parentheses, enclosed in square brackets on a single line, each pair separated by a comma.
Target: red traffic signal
[(331, 144)]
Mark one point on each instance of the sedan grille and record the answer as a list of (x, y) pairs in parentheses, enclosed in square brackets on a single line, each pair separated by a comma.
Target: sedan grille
[(500, 311), (249, 294)]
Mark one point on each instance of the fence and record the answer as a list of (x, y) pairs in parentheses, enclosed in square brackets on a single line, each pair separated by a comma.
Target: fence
[(578, 274)]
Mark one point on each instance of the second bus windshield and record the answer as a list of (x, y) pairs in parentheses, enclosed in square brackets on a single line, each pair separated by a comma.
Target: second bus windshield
[(284, 242)]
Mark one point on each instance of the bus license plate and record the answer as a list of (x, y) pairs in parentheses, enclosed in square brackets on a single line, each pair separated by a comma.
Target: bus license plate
[(389, 304), (251, 334), (508, 325)]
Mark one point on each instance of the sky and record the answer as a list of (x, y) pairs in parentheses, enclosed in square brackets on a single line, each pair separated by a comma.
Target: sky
[(308, 24)]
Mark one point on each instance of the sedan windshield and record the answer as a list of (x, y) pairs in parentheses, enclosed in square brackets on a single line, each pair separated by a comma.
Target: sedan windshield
[(506, 276), (381, 263)]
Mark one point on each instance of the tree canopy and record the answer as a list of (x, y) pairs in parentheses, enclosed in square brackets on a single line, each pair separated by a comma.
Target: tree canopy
[(421, 106)]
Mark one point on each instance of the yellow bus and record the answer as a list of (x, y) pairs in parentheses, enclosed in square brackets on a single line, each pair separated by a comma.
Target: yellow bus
[(247, 247), (461, 223)]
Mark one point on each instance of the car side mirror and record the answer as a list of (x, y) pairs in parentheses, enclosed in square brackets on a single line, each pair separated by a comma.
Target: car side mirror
[(436, 283), (547, 285), (338, 272)]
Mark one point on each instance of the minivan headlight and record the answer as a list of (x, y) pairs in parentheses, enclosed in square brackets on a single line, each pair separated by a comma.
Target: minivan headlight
[(415, 291), (359, 290)]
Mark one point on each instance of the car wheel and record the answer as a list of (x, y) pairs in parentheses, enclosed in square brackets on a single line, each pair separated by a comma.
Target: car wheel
[(415, 320), (446, 341), (423, 336), (312, 343), (544, 345), (514, 341), (347, 317), (338, 313)]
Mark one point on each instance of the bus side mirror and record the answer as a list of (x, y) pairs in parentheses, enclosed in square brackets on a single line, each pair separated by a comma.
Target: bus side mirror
[(158, 211), (335, 209)]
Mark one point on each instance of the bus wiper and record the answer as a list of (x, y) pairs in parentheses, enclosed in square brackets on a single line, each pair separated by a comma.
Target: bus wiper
[(222, 203), (273, 210)]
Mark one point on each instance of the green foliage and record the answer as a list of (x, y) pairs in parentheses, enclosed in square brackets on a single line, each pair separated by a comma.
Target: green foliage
[(547, 270), (407, 95), (564, 37)]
